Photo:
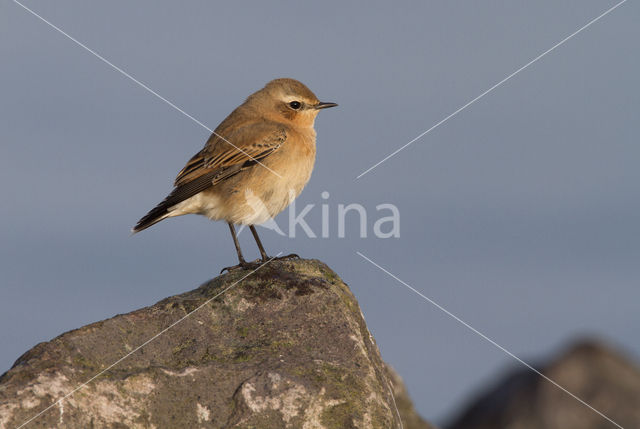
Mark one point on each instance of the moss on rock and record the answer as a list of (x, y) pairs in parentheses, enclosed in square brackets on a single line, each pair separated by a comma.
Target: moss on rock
[(284, 347)]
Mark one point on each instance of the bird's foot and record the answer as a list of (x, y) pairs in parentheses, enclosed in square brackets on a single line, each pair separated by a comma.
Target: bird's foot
[(258, 262), (289, 256), (242, 265)]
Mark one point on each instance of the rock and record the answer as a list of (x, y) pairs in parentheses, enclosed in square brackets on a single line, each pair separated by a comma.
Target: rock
[(287, 347), (591, 371)]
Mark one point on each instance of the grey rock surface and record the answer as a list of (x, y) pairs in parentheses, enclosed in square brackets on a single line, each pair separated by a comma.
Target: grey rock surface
[(286, 347)]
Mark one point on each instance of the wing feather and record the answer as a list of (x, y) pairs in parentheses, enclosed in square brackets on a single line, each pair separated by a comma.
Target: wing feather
[(247, 145), (218, 161)]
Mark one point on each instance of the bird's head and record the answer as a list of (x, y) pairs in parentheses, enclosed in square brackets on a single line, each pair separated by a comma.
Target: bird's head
[(289, 101)]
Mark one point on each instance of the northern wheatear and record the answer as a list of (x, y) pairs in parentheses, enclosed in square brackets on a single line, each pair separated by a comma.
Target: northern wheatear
[(253, 165)]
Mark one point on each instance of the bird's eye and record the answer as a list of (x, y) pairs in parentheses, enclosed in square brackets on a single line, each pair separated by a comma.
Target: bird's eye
[(295, 105)]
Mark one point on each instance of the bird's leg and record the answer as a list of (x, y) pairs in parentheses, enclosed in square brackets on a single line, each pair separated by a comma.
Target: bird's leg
[(265, 258), (237, 244), (264, 255), (242, 263)]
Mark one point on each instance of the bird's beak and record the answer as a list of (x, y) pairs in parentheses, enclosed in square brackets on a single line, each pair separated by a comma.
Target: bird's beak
[(323, 105)]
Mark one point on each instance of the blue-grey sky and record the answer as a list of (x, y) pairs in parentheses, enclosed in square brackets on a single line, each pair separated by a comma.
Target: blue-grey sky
[(519, 215)]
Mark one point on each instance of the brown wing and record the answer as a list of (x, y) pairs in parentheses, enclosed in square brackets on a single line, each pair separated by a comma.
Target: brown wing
[(219, 160), (228, 156)]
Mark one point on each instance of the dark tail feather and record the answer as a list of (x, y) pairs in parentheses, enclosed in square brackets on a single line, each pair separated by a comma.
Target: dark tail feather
[(176, 196), (158, 213)]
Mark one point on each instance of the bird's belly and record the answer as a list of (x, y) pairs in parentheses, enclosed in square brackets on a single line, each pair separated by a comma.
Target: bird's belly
[(267, 195)]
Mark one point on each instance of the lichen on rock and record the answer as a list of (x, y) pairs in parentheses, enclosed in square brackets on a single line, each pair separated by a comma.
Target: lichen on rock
[(286, 347)]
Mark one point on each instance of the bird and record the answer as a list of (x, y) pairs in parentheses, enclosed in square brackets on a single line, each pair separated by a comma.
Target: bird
[(254, 164)]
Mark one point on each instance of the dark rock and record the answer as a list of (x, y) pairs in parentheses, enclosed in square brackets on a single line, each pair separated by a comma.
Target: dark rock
[(524, 400), (285, 347)]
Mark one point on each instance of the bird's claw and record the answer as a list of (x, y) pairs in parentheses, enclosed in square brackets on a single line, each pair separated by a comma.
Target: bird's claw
[(243, 265), (289, 256), (258, 262)]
